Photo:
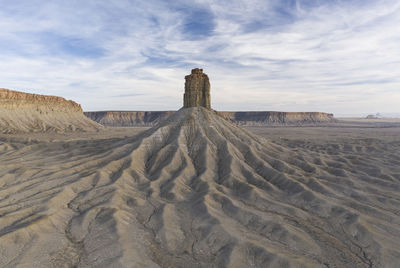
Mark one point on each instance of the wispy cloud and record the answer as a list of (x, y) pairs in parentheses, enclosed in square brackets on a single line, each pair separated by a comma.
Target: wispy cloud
[(336, 56)]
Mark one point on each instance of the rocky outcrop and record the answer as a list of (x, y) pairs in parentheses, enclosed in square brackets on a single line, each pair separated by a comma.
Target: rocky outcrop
[(24, 112), (141, 118), (197, 90), (128, 118)]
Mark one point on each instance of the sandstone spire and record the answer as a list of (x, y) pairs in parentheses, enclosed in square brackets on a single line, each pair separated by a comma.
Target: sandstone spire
[(197, 90)]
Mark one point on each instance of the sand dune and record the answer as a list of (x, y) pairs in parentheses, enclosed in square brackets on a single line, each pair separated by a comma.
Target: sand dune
[(198, 191)]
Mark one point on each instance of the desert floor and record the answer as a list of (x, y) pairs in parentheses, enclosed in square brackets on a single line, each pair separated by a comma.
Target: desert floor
[(203, 196)]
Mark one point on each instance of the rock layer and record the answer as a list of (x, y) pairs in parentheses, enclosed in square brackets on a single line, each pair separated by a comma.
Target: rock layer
[(262, 118), (24, 112), (197, 90), (10, 99), (278, 118)]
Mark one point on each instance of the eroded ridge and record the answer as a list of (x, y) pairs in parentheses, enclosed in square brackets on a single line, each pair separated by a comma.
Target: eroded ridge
[(197, 191)]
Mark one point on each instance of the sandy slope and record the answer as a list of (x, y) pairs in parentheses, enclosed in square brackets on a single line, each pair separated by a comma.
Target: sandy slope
[(198, 191)]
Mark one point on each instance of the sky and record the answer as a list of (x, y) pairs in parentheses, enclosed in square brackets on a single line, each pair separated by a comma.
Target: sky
[(337, 56)]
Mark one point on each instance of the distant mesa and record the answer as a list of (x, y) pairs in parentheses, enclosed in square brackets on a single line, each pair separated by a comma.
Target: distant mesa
[(128, 118), (374, 116), (371, 116), (197, 90), (24, 112), (252, 118), (274, 118)]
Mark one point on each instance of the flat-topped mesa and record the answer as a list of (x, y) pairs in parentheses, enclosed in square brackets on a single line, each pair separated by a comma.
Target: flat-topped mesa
[(197, 90), (25, 113), (15, 100)]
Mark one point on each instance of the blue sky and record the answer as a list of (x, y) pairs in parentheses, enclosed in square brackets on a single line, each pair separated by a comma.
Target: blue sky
[(307, 55)]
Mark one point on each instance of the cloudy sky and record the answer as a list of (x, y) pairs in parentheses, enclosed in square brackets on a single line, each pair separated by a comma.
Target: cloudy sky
[(339, 56)]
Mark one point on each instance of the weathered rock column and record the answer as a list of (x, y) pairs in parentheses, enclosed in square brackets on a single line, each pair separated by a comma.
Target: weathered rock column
[(197, 90)]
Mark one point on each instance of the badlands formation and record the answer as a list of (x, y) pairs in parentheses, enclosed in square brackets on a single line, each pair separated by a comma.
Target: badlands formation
[(196, 190), (23, 112)]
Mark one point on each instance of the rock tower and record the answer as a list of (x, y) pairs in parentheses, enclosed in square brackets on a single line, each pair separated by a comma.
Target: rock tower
[(197, 90)]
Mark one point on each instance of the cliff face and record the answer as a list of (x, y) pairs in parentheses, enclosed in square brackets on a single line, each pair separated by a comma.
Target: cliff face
[(197, 90), (278, 118), (10, 99), (23, 112), (135, 118)]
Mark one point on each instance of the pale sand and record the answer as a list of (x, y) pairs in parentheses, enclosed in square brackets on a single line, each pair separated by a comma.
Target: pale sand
[(197, 191)]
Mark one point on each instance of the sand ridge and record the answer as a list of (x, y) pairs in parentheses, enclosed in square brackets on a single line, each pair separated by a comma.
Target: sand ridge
[(198, 191)]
